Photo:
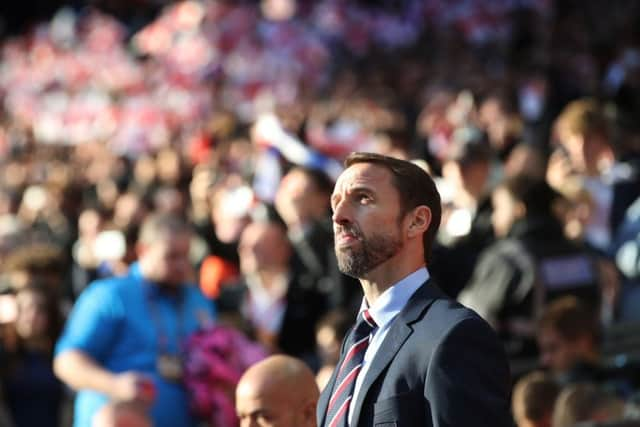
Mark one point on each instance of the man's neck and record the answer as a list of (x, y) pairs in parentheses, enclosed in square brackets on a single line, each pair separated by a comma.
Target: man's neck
[(377, 282)]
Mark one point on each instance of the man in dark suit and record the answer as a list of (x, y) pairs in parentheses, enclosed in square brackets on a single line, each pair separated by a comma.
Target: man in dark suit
[(273, 300), (415, 357)]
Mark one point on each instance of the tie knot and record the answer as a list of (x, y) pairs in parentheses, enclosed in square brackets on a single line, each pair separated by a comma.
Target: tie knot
[(365, 325)]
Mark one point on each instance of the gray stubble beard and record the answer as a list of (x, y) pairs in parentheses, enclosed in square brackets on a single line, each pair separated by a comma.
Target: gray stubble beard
[(374, 250)]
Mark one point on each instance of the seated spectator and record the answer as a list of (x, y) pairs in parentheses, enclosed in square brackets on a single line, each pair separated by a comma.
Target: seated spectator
[(534, 396), (277, 391), (585, 402), (585, 152), (568, 336), (532, 263), (84, 268), (302, 201), (466, 218), (32, 393), (278, 304), (36, 261)]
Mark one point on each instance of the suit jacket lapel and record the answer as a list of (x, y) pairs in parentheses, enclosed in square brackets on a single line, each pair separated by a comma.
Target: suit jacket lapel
[(397, 335)]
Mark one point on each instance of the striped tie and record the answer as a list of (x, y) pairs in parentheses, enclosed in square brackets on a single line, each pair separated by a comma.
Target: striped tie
[(338, 408)]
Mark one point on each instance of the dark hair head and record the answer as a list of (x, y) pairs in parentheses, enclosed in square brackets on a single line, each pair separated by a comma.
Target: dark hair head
[(338, 321), (534, 193), (415, 188), (570, 318), (321, 181), (469, 145)]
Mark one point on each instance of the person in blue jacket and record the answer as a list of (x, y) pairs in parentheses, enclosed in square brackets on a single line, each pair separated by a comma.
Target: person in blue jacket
[(123, 339)]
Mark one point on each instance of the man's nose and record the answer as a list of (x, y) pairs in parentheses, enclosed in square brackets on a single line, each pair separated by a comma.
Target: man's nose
[(340, 214)]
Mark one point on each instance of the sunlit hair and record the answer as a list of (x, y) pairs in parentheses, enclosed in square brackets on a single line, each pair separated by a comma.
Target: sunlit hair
[(157, 227)]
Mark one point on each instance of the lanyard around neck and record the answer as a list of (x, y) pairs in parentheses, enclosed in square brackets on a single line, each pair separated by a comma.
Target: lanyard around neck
[(163, 340)]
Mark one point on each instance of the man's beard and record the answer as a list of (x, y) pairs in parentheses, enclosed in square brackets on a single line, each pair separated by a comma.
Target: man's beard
[(373, 251)]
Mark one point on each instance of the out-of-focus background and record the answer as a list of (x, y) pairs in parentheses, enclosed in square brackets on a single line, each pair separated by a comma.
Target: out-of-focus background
[(527, 114)]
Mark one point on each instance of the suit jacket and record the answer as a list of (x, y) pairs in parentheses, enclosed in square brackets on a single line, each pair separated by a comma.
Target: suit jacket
[(439, 365), (304, 308)]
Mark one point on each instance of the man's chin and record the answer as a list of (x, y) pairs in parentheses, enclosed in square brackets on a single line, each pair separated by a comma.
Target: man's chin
[(351, 269)]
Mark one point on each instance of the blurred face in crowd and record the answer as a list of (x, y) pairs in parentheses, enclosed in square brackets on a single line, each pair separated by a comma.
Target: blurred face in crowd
[(494, 120), (505, 211), (329, 344), (89, 223), (129, 210), (32, 320), (263, 246), (229, 211), (298, 200), (168, 166), (589, 153), (366, 212), (144, 171), (167, 259), (471, 175), (558, 353)]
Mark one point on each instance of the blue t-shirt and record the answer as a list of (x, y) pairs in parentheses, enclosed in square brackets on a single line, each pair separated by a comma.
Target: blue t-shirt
[(123, 323)]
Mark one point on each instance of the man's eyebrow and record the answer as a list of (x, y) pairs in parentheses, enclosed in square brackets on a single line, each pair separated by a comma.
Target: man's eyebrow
[(362, 189), (351, 190)]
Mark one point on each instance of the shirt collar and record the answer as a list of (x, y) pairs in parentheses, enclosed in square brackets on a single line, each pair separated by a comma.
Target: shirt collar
[(394, 299)]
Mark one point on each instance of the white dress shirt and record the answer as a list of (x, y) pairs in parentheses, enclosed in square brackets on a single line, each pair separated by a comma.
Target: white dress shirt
[(383, 311)]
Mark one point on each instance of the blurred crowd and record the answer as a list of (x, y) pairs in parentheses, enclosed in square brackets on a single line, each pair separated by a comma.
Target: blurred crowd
[(235, 116)]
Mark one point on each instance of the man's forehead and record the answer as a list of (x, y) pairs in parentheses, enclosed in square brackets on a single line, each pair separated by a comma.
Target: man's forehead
[(362, 174)]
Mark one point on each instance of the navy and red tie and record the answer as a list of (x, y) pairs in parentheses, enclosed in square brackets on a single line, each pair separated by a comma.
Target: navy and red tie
[(337, 411)]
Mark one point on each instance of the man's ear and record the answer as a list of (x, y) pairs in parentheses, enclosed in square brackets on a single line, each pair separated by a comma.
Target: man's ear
[(419, 221), (309, 412)]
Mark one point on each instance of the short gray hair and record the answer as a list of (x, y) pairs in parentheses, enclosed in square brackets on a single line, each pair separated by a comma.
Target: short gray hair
[(160, 226)]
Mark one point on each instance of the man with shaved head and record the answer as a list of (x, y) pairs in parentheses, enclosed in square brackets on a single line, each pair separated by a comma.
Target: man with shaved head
[(279, 391)]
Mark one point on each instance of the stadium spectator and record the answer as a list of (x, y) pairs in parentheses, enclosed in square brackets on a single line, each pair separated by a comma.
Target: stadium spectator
[(533, 399), (277, 391), (124, 337), (585, 402)]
